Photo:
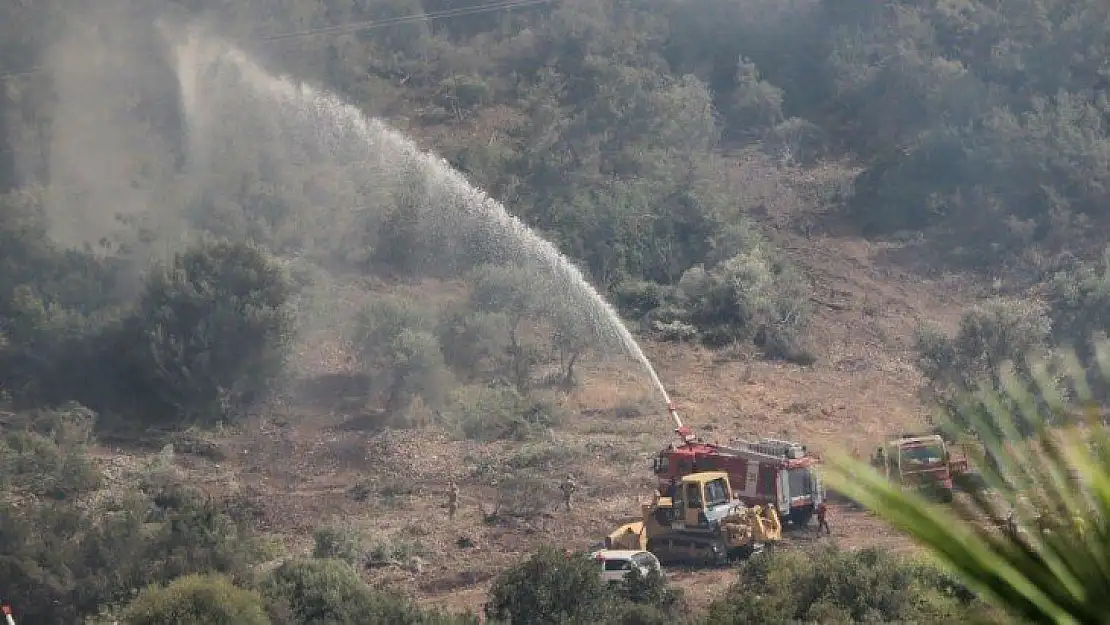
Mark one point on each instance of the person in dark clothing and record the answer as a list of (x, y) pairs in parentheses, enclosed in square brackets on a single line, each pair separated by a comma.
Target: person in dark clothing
[(822, 518), (568, 487), (452, 499)]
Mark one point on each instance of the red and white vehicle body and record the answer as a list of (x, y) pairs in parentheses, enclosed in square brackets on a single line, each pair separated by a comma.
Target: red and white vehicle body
[(768, 472)]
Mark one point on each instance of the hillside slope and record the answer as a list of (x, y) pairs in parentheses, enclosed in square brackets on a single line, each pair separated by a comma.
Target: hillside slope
[(303, 466)]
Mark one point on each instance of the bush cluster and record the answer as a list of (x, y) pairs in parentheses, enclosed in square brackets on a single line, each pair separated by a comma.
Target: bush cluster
[(754, 297), (206, 337), (482, 364), (809, 585), (560, 587), (163, 552), (829, 585), (1003, 336), (69, 551)]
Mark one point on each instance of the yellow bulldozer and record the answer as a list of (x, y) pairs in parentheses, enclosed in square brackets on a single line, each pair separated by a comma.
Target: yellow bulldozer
[(699, 522)]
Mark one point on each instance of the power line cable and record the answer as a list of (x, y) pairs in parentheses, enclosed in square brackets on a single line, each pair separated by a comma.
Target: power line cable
[(402, 19), (360, 26)]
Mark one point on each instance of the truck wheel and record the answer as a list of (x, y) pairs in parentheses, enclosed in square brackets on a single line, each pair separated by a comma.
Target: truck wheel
[(799, 517)]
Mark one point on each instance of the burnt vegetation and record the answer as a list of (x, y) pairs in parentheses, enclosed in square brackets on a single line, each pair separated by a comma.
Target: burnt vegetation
[(974, 132)]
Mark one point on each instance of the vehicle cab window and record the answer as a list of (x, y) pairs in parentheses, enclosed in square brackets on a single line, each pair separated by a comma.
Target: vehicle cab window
[(660, 465), (693, 496), (716, 494), (618, 565)]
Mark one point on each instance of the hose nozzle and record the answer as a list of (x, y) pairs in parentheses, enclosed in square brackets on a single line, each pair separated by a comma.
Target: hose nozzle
[(684, 432)]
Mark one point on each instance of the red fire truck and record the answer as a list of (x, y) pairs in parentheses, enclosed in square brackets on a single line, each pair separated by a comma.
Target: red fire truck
[(766, 472), (922, 461)]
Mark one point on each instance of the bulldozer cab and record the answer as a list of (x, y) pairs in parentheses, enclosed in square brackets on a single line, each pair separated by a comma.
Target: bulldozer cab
[(700, 499)]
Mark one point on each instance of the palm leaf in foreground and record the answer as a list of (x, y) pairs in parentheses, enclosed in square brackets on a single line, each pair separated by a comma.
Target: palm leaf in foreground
[(1052, 486)]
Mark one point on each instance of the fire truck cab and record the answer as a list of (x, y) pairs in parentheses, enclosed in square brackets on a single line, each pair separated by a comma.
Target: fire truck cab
[(922, 461)]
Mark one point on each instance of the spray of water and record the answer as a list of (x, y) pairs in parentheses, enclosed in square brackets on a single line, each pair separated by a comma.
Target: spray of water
[(357, 164)]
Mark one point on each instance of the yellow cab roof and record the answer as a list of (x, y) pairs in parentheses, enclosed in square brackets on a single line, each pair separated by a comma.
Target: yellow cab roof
[(703, 477)]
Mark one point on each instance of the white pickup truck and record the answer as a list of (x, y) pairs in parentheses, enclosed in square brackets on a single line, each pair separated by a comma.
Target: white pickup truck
[(616, 563)]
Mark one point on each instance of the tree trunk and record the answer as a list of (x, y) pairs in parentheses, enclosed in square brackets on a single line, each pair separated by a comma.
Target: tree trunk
[(568, 371), (519, 368)]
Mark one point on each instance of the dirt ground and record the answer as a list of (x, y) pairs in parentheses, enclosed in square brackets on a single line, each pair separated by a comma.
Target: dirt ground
[(300, 464)]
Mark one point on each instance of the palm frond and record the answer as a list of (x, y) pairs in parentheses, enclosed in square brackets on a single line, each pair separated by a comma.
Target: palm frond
[(1052, 487)]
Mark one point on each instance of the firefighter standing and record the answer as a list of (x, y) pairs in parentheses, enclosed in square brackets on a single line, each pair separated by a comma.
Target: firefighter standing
[(452, 499), (1080, 525), (1044, 520), (822, 518), (568, 487)]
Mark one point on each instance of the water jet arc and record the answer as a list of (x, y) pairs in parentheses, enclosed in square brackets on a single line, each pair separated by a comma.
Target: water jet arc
[(318, 124)]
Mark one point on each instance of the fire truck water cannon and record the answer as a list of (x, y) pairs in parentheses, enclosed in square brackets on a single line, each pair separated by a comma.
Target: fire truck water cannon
[(683, 431)]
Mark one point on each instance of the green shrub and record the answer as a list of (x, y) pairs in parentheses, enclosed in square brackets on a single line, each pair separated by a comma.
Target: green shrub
[(328, 592), (572, 338), (397, 346), (175, 531), (515, 294), (637, 614), (194, 533), (650, 590), (50, 354), (42, 453), (753, 297), (213, 331), (992, 337), (395, 553), (830, 585), (463, 92), (544, 456), (557, 587), (755, 104), (489, 414), (196, 599), (1079, 300), (475, 344), (636, 298), (550, 587), (337, 543), (382, 320), (407, 233), (318, 591), (44, 473)]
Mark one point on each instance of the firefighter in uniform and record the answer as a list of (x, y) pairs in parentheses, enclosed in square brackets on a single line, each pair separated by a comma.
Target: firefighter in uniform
[(1011, 524), (1044, 520), (452, 499), (822, 518), (568, 487), (1080, 525)]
